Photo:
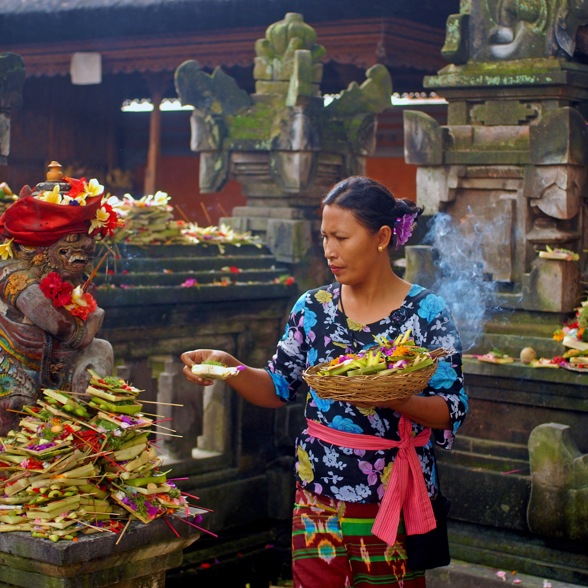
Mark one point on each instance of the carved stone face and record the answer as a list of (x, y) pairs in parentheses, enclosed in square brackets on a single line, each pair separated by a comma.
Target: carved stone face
[(71, 255), (520, 28)]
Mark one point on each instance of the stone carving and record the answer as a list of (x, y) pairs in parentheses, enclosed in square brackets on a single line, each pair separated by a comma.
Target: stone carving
[(285, 144), (48, 317), (558, 505), (512, 157), (277, 139), (503, 30)]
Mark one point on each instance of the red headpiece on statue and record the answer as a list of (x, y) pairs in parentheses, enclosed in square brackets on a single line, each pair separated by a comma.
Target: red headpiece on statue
[(56, 209)]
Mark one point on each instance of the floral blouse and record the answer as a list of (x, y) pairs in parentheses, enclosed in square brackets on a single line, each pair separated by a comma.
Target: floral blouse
[(316, 332)]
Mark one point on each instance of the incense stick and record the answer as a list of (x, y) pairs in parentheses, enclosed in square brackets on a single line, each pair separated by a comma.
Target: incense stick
[(139, 401), (171, 527), (182, 213), (162, 427), (101, 529), (205, 213), (197, 527)]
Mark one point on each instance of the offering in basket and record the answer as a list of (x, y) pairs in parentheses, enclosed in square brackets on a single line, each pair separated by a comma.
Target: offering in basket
[(390, 370)]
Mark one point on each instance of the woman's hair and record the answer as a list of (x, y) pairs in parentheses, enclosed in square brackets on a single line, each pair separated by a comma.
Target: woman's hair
[(374, 206)]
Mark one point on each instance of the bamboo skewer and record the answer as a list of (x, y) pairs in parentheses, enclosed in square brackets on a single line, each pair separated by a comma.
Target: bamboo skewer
[(124, 530), (157, 402), (85, 394)]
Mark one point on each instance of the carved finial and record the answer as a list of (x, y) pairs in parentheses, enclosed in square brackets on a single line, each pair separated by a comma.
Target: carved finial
[(275, 53), (55, 172)]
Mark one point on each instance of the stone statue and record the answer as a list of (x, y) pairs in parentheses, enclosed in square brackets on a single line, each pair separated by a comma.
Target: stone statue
[(48, 317)]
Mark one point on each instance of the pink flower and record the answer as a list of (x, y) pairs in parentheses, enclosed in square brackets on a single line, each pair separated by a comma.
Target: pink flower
[(403, 228)]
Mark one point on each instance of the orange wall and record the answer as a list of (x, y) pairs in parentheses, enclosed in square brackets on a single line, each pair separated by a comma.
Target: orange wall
[(395, 174), (178, 176)]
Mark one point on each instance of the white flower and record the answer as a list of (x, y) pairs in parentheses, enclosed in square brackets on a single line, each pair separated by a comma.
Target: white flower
[(94, 188)]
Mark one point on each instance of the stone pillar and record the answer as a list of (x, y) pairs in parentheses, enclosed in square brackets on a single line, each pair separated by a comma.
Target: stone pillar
[(182, 403)]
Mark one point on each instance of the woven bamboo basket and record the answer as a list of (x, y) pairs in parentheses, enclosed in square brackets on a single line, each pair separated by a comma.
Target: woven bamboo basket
[(377, 387)]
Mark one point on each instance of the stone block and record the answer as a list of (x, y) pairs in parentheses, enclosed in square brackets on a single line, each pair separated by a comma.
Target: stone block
[(139, 558), (560, 137), (559, 491), (551, 286), (423, 140), (420, 265), (289, 241)]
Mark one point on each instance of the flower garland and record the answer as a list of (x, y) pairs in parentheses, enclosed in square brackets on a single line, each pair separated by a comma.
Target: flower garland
[(63, 294)]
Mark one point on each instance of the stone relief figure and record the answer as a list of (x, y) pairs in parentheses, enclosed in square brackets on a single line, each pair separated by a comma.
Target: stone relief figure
[(48, 316), (515, 29)]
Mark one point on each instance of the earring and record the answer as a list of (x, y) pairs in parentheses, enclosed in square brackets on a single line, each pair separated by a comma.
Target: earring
[(380, 248)]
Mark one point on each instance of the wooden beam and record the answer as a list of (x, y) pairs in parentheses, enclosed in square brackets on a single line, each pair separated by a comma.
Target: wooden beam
[(362, 42)]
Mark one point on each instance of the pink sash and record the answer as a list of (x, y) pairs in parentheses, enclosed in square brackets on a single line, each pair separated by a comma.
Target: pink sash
[(406, 490)]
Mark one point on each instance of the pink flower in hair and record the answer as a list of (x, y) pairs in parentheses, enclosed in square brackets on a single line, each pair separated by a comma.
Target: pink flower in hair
[(403, 228)]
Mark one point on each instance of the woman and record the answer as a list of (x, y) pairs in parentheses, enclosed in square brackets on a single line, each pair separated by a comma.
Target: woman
[(337, 540)]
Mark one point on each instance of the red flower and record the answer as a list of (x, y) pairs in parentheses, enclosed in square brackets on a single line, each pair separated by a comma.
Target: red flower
[(105, 221), (77, 186), (61, 294), (54, 288)]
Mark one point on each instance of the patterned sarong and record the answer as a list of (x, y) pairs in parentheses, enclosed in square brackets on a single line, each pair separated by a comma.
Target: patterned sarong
[(333, 547)]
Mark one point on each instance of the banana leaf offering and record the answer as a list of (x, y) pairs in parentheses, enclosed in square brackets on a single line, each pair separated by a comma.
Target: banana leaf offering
[(84, 463), (401, 355)]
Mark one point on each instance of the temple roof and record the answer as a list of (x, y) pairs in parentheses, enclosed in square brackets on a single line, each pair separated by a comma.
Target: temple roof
[(26, 21), (157, 35)]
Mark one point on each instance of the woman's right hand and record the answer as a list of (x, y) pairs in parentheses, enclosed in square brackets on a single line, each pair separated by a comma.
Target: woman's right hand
[(198, 356)]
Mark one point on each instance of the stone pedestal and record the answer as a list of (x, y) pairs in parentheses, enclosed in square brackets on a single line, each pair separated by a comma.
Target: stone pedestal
[(139, 560)]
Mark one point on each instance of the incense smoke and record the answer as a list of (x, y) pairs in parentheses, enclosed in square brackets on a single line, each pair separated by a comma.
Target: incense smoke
[(461, 281)]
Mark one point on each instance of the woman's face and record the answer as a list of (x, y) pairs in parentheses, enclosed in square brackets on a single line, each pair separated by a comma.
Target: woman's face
[(349, 247)]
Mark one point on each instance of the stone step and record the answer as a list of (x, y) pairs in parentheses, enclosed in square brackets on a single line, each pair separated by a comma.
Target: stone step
[(497, 548), (190, 263), (177, 278), (460, 574)]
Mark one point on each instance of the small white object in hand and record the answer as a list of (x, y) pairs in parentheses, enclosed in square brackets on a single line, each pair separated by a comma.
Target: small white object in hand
[(215, 372)]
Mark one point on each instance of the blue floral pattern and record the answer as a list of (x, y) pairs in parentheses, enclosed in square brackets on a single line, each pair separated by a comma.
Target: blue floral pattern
[(316, 332)]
